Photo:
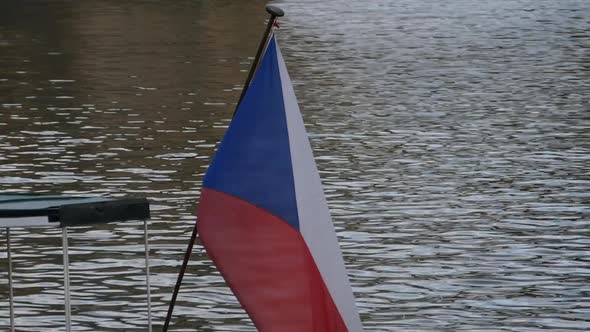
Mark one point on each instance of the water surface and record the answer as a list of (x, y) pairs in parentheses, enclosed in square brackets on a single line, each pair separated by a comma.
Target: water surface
[(452, 137)]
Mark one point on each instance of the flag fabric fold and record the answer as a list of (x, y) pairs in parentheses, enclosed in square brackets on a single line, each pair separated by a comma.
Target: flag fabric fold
[(263, 217)]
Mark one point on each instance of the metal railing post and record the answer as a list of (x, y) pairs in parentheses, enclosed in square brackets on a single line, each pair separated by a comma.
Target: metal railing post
[(66, 263), (147, 274), (10, 289)]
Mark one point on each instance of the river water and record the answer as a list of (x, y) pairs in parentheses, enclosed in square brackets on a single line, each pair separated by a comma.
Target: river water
[(452, 137)]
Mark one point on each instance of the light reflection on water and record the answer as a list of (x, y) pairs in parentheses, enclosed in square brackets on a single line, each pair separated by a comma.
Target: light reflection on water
[(452, 140)]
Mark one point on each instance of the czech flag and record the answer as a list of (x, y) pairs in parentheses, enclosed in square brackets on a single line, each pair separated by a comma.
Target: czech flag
[(263, 217)]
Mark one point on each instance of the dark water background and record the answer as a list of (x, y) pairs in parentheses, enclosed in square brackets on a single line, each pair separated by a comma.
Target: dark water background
[(453, 140)]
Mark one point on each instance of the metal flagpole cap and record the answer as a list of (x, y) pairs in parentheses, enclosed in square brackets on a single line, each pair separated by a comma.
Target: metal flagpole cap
[(274, 10)]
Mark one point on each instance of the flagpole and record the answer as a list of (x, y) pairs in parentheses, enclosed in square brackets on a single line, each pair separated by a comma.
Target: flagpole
[(275, 12)]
